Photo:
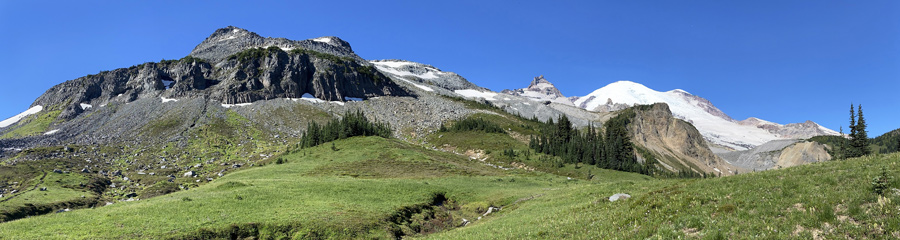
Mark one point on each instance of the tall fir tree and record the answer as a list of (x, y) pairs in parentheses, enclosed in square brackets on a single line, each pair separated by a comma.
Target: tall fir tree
[(862, 138), (841, 152), (850, 151)]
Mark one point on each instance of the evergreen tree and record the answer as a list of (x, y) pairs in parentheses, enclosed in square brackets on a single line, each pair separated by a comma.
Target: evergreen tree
[(851, 151), (841, 152), (861, 140)]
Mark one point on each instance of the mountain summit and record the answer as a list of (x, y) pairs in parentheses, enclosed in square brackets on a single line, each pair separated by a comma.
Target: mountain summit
[(716, 126), (541, 90), (230, 40)]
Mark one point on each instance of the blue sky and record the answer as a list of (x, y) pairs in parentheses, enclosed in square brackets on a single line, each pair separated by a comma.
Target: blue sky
[(783, 61)]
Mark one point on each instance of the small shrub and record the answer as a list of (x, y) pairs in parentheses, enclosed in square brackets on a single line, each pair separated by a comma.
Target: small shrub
[(186, 199), (280, 161), (727, 208), (881, 182)]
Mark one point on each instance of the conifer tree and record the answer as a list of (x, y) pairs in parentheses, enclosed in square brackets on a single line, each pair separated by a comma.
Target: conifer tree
[(842, 151), (861, 140), (851, 152)]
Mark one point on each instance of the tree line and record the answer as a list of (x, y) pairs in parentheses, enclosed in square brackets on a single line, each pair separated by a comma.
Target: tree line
[(609, 149), (351, 125), (472, 124)]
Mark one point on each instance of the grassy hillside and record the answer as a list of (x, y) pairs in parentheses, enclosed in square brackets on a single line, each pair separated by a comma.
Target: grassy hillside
[(830, 200), (371, 187), (367, 188)]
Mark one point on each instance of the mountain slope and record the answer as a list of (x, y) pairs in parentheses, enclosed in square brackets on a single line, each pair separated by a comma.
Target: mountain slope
[(717, 127), (369, 188)]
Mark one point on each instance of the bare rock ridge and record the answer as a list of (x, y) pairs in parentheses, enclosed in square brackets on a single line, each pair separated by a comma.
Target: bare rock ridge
[(778, 154), (228, 68), (791, 130), (230, 40), (541, 90)]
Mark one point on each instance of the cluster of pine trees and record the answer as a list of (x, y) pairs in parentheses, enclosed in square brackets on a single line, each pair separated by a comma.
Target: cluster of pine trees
[(610, 150), (472, 124), (858, 144), (351, 125)]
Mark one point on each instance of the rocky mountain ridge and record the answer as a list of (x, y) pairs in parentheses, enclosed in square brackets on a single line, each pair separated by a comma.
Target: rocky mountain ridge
[(227, 41)]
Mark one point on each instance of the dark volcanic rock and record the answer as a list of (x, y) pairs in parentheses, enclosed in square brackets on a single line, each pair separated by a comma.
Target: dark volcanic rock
[(234, 72)]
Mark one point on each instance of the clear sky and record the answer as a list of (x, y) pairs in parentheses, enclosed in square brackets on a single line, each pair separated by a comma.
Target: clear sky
[(782, 61)]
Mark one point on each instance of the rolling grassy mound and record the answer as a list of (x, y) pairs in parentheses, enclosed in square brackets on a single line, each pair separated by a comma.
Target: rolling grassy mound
[(362, 188)]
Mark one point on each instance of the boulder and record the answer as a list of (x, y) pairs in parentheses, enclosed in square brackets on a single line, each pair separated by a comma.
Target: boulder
[(619, 196)]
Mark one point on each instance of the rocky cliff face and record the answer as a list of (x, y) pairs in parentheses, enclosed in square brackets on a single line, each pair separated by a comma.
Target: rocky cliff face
[(242, 77), (677, 142)]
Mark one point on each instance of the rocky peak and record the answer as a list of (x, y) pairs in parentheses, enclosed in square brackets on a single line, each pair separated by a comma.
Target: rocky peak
[(332, 40), (230, 40), (231, 32), (542, 90)]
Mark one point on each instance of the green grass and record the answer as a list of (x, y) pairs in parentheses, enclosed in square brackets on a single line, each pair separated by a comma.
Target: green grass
[(301, 198), (62, 190), (33, 125), (831, 199)]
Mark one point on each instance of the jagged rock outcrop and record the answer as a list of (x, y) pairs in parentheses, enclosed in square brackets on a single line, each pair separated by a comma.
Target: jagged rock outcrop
[(541, 90), (677, 143)]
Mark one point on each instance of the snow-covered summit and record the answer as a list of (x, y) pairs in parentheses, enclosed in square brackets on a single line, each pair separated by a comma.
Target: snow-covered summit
[(716, 126)]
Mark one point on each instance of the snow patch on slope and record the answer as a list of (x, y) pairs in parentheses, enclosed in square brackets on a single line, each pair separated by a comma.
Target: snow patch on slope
[(238, 105), (420, 86), (394, 68), (313, 99), (17, 117), (323, 39), (165, 100), (472, 93)]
